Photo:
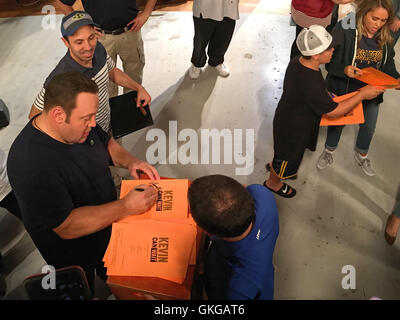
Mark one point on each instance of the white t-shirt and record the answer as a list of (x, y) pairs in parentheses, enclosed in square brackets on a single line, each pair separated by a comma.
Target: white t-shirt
[(5, 187), (216, 9)]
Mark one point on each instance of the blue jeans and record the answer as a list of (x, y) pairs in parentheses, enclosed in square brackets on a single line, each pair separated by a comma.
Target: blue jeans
[(365, 133)]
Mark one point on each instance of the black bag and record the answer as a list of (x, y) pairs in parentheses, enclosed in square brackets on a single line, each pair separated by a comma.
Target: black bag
[(4, 115), (126, 117)]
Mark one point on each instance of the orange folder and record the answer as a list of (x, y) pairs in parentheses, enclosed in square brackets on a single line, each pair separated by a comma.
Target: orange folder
[(375, 77), (355, 116), (135, 240), (172, 200), (150, 248)]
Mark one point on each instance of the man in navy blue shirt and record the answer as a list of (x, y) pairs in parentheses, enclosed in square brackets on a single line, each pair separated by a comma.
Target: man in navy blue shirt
[(243, 228), (58, 168)]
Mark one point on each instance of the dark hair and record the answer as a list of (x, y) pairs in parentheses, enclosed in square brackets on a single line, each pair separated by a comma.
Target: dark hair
[(220, 205), (307, 57), (63, 89)]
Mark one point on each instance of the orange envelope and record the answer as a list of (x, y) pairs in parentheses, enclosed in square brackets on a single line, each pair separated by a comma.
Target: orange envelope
[(375, 77), (172, 200), (355, 116), (150, 248), (193, 254)]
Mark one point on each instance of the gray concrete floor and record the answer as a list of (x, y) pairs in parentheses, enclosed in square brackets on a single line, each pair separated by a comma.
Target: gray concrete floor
[(338, 216)]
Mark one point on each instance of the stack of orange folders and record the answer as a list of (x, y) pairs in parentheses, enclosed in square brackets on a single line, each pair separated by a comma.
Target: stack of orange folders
[(158, 243)]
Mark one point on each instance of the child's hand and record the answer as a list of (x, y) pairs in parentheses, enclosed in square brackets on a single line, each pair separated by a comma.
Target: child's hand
[(371, 92)]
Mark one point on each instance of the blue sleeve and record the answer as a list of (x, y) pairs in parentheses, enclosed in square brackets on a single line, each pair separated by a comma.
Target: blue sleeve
[(237, 295)]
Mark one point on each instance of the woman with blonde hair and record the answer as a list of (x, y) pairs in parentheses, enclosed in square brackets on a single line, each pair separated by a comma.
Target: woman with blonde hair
[(370, 44)]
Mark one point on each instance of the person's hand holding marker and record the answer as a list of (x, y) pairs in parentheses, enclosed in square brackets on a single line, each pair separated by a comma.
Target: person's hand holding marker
[(352, 71)]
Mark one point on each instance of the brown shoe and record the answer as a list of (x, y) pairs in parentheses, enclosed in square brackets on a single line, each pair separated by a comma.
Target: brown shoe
[(389, 239)]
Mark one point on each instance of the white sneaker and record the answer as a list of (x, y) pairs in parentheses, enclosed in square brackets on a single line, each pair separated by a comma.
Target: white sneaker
[(325, 159), (365, 164), (194, 72), (222, 70)]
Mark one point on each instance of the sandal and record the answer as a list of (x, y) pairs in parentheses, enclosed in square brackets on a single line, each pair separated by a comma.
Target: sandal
[(268, 167), (284, 191)]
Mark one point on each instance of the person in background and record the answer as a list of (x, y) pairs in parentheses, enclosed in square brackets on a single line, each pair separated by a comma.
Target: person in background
[(86, 55), (395, 26), (214, 24), (119, 24), (313, 12)]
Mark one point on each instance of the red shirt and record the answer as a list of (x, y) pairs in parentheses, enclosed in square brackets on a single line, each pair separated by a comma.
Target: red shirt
[(314, 8)]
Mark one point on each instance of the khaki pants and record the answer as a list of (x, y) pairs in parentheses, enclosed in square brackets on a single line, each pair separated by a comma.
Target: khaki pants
[(129, 47)]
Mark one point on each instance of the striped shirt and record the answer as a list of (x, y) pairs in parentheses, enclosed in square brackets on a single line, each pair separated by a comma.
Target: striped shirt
[(102, 65)]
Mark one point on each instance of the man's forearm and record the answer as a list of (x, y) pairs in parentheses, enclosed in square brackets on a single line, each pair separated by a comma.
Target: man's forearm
[(90, 219), (122, 79), (120, 156), (149, 6)]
